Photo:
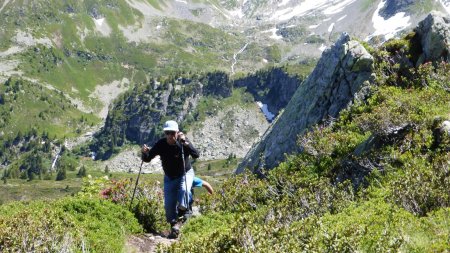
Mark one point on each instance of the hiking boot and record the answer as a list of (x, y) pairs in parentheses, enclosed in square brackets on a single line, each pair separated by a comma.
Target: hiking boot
[(184, 215), (174, 233), (174, 230)]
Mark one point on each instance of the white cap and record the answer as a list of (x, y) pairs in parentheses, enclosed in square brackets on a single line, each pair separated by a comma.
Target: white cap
[(170, 126)]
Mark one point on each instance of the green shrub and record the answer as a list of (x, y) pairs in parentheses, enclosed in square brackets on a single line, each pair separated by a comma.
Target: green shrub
[(147, 205), (69, 224), (105, 224), (37, 227)]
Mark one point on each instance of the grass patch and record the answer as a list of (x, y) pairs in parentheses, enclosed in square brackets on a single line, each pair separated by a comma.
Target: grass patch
[(27, 105)]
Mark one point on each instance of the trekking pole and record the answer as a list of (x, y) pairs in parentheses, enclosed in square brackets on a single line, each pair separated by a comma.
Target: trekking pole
[(185, 180), (135, 186)]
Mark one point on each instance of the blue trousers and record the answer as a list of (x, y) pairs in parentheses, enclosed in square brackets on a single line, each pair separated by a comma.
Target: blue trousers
[(175, 194)]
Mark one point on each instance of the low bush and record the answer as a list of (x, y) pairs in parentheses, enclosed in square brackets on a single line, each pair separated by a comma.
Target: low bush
[(67, 225), (147, 205)]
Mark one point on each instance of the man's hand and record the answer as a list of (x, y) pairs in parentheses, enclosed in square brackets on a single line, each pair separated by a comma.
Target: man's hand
[(145, 149), (182, 138)]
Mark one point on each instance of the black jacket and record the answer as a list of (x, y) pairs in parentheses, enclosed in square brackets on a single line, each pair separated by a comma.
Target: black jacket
[(172, 162)]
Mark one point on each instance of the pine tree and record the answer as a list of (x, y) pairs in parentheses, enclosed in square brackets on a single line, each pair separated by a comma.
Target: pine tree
[(82, 172), (61, 174)]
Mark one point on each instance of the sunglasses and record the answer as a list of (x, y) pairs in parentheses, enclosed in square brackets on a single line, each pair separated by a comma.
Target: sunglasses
[(169, 132)]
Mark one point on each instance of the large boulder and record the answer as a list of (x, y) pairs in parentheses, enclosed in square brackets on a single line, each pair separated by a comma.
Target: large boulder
[(339, 76), (434, 34)]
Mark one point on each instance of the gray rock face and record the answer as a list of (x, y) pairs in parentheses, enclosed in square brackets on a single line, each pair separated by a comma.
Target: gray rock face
[(340, 74), (231, 131), (274, 88), (434, 33), (393, 7)]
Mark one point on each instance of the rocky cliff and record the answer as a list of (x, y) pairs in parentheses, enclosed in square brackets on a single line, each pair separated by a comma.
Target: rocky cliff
[(230, 132), (137, 115), (342, 73), (274, 87)]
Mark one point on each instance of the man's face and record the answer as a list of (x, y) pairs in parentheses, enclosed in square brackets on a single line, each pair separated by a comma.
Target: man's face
[(171, 136)]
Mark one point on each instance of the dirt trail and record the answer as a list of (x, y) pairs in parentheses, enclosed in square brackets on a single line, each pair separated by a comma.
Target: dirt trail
[(148, 243), (145, 243)]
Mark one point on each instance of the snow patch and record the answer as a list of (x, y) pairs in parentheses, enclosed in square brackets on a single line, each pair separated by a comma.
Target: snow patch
[(326, 6), (102, 26), (237, 13), (265, 60), (269, 116), (143, 6), (446, 4), (283, 3), (181, 1), (388, 27), (235, 57), (341, 18), (336, 8), (274, 35), (322, 48), (313, 26), (99, 21), (330, 28)]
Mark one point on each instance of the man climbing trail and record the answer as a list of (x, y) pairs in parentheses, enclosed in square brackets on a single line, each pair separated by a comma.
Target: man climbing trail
[(174, 151)]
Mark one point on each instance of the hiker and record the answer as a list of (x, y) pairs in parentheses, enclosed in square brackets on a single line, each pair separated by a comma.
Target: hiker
[(198, 182), (177, 177)]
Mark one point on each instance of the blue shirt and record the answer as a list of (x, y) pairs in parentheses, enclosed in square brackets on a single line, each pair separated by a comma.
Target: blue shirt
[(197, 182)]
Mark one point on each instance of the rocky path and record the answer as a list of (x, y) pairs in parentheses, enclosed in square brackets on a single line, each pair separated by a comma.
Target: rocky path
[(145, 243)]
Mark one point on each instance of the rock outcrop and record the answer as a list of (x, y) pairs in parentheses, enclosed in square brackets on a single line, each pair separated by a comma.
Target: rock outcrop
[(274, 87), (392, 7), (138, 115), (434, 35), (229, 132), (341, 74)]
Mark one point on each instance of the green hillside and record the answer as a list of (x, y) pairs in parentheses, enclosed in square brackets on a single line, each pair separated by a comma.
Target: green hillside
[(26, 106), (60, 56), (74, 56), (373, 180)]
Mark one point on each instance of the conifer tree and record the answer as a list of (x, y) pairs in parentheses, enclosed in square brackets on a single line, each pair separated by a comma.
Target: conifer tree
[(61, 174)]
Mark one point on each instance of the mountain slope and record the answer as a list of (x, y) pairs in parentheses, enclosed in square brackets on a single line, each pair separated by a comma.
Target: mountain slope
[(373, 179), (81, 48), (341, 77)]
